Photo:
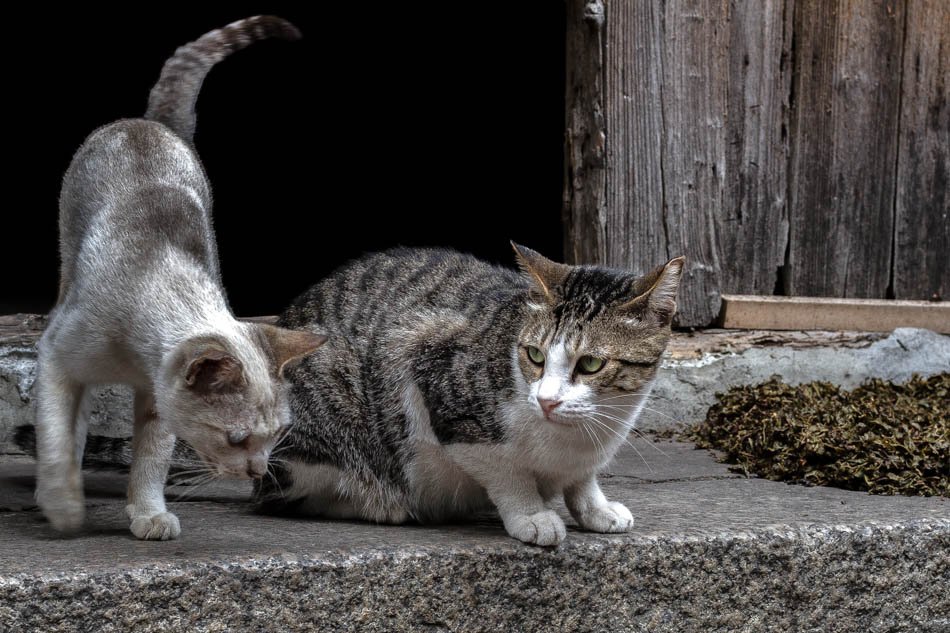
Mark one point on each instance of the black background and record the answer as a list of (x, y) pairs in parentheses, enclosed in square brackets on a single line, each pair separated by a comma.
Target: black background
[(389, 123)]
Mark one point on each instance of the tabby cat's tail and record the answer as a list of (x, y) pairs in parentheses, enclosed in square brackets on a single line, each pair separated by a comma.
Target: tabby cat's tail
[(172, 100)]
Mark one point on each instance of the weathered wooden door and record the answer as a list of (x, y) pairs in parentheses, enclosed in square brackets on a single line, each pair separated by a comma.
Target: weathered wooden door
[(793, 147)]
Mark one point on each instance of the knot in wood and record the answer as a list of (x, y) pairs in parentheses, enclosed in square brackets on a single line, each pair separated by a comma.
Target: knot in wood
[(594, 13)]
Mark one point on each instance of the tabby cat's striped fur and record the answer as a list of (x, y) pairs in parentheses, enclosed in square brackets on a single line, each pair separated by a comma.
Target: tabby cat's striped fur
[(429, 400)]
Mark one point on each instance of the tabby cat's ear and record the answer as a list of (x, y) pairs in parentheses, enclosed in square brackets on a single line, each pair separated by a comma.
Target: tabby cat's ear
[(212, 369), (289, 347), (660, 296), (544, 274)]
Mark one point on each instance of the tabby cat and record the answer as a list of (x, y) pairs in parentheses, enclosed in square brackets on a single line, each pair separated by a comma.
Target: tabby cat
[(141, 303), (449, 385)]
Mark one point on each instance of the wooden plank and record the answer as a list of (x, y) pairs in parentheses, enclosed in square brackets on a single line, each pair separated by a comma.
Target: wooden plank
[(693, 149), (811, 313), (922, 243), (845, 99), (754, 231), (584, 205), (636, 231)]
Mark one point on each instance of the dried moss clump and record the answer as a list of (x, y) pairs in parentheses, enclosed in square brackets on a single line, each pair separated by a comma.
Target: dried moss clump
[(881, 437)]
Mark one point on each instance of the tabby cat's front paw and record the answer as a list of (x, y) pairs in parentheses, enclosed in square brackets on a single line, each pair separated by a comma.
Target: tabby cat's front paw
[(163, 526), (612, 517), (541, 528)]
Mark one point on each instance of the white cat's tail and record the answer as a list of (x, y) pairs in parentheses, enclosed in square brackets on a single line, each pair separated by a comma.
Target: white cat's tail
[(172, 100)]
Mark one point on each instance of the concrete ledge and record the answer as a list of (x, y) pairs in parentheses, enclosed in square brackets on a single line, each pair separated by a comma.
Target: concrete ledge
[(696, 367), (710, 551), (688, 382)]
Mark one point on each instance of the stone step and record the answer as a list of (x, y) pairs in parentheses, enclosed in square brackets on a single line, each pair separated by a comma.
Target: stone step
[(710, 551)]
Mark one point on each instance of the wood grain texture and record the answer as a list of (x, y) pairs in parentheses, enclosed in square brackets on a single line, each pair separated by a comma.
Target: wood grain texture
[(681, 80), (754, 229), (584, 207), (823, 313), (922, 215), (790, 145), (633, 83), (694, 105), (845, 97)]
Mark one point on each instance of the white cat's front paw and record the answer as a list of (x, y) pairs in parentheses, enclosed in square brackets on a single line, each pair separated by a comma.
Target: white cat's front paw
[(163, 526), (541, 528), (65, 513), (610, 518)]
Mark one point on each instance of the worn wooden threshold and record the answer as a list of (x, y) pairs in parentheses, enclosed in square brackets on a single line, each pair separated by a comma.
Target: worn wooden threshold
[(822, 313), (23, 330)]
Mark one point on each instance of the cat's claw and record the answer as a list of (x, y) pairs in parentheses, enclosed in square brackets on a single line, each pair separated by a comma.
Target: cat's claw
[(163, 526), (610, 518), (542, 528)]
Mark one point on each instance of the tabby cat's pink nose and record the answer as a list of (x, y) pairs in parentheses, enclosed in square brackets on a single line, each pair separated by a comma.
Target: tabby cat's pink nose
[(548, 405)]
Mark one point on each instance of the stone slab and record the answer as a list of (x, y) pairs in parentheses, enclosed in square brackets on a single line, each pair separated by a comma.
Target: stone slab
[(709, 551)]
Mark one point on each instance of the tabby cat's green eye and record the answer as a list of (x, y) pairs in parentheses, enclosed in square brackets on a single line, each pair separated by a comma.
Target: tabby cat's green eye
[(536, 355), (590, 364)]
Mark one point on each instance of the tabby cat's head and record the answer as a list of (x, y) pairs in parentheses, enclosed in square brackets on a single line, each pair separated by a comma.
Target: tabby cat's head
[(226, 396), (593, 338)]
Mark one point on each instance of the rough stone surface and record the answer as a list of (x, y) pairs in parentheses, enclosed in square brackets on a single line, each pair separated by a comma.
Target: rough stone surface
[(687, 387), (709, 551)]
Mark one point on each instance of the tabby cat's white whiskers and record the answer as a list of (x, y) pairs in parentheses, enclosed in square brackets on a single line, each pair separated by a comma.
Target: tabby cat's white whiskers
[(631, 408), (623, 438), (448, 382)]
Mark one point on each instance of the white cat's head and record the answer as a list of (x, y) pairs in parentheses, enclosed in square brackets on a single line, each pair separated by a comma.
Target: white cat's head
[(592, 341), (227, 396)]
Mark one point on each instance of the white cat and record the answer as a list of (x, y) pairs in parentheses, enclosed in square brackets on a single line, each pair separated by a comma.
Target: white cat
[(141, 303)]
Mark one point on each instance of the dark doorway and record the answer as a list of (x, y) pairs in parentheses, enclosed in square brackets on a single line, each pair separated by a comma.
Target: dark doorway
[(392, 124)]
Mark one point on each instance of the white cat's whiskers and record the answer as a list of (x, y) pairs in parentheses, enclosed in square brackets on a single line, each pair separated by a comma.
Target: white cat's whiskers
[(273, 476), (194, 485), (282, 449), (284, 441)]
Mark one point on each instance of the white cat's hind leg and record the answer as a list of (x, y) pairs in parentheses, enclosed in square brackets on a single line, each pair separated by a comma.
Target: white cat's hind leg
[(59, 467), (152, 447), (81, 428), (591, 509)]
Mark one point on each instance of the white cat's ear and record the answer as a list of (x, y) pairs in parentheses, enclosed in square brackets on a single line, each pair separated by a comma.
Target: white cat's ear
[(289, 347), (544, 274), (660, 296), (213, 370)]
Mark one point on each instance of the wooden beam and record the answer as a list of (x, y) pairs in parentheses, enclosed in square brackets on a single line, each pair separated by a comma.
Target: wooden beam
[(811, 313)]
